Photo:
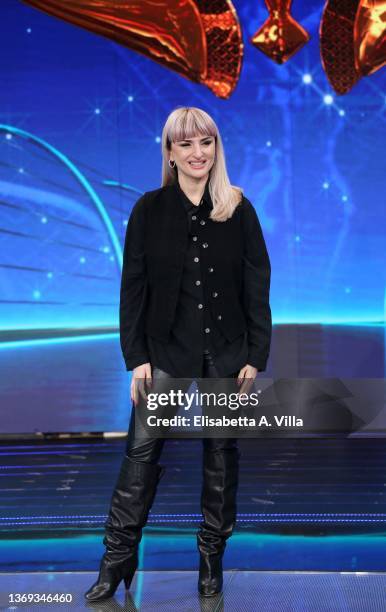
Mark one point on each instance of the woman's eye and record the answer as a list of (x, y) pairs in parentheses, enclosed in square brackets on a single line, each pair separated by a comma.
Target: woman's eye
[(187, 144)]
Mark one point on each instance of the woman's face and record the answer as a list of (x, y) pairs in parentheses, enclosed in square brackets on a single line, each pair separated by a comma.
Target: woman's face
[(194, 157)]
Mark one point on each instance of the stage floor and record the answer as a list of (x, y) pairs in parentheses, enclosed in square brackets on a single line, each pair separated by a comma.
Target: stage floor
[(303, 505), (177, 591)]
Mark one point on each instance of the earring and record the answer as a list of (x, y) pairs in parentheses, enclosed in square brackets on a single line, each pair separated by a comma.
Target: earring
[(172, 162)]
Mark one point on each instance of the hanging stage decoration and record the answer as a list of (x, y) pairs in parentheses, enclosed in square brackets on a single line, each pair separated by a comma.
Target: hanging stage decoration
[(200, 40), (353, 40), (280, 37)]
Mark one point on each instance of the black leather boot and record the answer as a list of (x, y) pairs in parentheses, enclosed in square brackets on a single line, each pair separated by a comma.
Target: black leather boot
[(131, 502), (218, 505)]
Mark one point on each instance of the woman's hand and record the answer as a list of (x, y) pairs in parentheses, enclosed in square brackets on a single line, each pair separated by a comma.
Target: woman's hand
[(246, 377), (140, 373)]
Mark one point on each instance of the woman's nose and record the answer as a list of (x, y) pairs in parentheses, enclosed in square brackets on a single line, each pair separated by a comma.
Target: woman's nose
[(197, 150)]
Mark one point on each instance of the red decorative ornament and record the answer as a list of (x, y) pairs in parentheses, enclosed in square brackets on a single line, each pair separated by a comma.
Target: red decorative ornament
[(370, 36), (199, 39), (280, 37), (353, 40)]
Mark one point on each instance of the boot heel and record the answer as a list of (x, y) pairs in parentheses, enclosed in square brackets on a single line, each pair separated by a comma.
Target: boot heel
[(128, 579)]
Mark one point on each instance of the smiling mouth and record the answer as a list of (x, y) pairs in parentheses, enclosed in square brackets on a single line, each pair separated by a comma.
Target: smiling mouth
[(198, 164)]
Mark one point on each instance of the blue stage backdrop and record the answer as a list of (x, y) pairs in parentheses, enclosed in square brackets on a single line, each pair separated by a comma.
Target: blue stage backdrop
[(80, 127)]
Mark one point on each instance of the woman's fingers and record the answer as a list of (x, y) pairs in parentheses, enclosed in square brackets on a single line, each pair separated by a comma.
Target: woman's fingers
[(139, 376), (246, 379), (148, 376), (141, 388), (246, 385), (138, 381), (241, 375), (133, 390)]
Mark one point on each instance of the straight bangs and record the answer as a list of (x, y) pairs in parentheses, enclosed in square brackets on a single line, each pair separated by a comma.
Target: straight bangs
[(189, 124)]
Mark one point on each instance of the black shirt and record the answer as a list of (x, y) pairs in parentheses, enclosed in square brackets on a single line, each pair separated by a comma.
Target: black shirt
[(194, 330)]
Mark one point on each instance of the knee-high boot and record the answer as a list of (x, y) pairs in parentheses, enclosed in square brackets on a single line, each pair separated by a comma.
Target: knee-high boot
[(218, 505), (131, 502)]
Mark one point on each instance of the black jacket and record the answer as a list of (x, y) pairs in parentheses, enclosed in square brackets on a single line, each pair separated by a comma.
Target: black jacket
[(236, 265)]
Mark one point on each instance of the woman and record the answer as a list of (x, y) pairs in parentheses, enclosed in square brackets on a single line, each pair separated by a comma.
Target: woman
[(194, 303)]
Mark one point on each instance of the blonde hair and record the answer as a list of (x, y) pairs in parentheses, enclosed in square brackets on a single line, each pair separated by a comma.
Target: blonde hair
[(187, 122)]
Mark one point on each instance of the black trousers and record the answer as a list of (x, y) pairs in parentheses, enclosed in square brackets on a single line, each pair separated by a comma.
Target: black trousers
[(142, 448)]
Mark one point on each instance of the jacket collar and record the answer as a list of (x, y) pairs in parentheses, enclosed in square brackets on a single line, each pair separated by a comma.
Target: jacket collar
[(188, 205)]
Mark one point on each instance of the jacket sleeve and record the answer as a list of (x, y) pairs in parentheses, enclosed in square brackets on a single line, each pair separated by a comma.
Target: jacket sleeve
[(256, 287), (133, 292)]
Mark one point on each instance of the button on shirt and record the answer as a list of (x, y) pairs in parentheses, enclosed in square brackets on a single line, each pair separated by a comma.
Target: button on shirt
[(194, 329)]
